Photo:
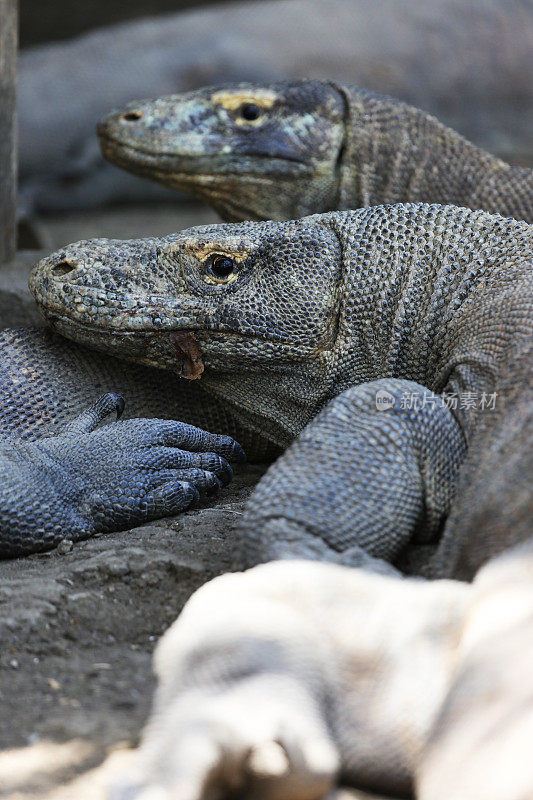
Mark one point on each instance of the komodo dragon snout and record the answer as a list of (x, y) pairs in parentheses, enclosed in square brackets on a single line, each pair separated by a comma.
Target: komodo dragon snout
[(248, 292), (240, 147)]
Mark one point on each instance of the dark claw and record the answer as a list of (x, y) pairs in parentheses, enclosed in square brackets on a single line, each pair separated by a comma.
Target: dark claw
[(225, 475), (213, 484), (121, 404), (196, 494), (88, 420), (231, 449), (239, 454), (108, 402)]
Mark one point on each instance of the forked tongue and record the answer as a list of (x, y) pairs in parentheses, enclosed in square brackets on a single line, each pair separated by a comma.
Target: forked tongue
[(188, 351)]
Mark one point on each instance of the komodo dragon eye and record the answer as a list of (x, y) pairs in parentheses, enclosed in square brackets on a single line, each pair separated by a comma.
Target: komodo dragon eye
[(250, 111), (220, 267)]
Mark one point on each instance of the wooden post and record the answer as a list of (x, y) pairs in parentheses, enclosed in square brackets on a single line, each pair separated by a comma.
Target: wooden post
[(8, 164)]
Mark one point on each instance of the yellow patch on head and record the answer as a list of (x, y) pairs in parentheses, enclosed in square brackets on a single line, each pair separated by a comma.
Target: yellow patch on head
[(232, 100), (233, 246), (203, 251)]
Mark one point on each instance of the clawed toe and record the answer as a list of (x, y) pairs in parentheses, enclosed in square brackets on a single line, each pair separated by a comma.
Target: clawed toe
[(88, 420)]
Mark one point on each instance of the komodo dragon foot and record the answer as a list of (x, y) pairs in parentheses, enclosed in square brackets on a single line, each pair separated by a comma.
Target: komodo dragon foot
[(290, 678), (92, 479)]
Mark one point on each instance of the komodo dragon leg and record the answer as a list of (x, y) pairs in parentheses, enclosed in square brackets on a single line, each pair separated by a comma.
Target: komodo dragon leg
[(374, 471), (63, 479), (92, 480), (292, 677)]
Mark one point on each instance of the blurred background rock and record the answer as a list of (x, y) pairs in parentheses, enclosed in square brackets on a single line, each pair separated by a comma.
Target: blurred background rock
[(51, 20)]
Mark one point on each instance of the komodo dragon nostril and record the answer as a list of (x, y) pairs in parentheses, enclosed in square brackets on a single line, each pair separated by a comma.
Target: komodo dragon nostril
[(132, 116), (62, 268)]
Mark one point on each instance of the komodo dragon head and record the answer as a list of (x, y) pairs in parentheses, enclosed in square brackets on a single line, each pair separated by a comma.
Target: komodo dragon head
[(255, 303), (251, 152)]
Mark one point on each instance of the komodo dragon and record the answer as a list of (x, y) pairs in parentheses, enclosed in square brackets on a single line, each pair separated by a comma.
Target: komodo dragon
[(281, 682), (293, 148), (408, 308)]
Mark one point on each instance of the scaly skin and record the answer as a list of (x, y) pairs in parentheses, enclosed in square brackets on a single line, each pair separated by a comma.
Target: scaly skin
[(289, 149), (325, 313), (353, 678), (63, 477)]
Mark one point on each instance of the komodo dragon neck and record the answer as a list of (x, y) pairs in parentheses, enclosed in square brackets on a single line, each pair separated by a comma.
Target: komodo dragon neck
[(395, 153)]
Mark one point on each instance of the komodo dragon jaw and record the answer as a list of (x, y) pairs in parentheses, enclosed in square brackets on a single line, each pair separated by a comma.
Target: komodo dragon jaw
[(288, 149), (240, 148), (260, 298)]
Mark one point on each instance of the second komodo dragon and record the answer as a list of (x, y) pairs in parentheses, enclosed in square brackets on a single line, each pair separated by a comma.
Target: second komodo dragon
[(288, 149), (390, 345)]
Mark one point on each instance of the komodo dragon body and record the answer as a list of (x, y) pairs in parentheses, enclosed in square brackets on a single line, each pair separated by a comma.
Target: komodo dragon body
[(289, 149), (404, 687), (306, 330)]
